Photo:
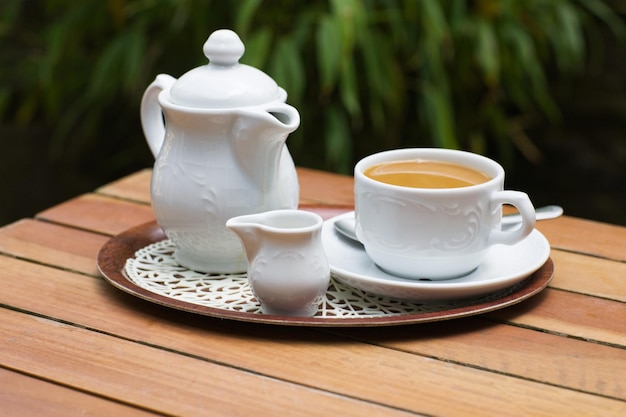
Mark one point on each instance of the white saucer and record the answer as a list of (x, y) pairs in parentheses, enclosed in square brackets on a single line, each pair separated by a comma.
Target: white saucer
[(503, 267)]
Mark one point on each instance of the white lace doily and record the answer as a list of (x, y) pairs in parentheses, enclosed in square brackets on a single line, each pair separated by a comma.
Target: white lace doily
[(155, 269)]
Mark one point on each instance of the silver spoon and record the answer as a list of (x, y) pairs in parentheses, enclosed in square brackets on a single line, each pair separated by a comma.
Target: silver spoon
[(346, 225)]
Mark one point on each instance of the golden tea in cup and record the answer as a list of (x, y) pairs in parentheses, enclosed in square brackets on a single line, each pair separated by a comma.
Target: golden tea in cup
[(419, 173)]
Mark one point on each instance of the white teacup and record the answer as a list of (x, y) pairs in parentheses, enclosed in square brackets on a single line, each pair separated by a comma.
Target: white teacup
[(435, 233)]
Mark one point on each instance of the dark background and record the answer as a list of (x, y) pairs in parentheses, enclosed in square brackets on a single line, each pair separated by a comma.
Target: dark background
[(580, 161)]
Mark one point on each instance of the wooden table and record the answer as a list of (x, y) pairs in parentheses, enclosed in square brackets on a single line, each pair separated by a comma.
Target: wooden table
[(72, 344)]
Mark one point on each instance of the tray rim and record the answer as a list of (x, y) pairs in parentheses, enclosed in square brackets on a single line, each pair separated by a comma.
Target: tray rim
[(114, 253)]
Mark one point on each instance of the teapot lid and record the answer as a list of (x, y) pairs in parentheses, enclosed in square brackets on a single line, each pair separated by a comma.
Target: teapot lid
[(224, 82)]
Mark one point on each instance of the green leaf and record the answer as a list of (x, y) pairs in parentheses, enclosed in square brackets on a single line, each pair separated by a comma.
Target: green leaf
[(328, 41), (133, 57), (56, 39), (433, 19), (287, 69), (570, 55), (349, 90), (487, 55), (244, 14), (521, 43), (604, 13), (349, 17), (377, 62), (258, 45), (337, 140), (439, 108), (458, 14)]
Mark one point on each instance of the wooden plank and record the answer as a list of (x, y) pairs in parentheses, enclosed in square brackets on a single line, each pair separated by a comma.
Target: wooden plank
[(589, 275), (303, 356), (134, 187), (586, 236), (316, 187), (22, 395), (40, 242), (540, 356), (575, 315), (146, 376), (326, 212), (98, 213)]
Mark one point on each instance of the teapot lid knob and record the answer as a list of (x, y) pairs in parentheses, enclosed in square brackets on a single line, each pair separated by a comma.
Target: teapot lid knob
[(224, 82), (223, 47)]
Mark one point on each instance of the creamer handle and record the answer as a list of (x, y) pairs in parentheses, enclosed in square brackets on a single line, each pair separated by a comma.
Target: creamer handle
[(151, 115)]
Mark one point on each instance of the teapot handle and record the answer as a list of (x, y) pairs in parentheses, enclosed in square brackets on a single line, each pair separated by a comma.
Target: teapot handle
[(151, 115)]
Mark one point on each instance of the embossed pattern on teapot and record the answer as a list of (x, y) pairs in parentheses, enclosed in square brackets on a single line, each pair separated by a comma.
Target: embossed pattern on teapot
[(218, 135)]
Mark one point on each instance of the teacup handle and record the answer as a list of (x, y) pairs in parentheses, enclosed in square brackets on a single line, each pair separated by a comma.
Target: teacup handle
[(151, 115), (526, 210)]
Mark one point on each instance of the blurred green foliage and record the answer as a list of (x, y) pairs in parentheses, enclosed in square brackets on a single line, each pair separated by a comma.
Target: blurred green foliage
[(365, 75)]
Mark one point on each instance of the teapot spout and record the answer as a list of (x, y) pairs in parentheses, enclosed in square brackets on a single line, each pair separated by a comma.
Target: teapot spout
[(278, 119), (286, 117), (259, 137)]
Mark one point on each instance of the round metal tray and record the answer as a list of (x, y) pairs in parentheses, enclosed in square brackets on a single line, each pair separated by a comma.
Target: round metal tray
[(115, 255)]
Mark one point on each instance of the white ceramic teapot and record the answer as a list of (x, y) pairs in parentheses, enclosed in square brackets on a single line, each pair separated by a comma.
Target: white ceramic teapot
[(219, 154)]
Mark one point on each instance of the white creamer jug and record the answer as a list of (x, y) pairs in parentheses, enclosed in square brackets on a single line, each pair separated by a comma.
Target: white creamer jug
[(288, 269)]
